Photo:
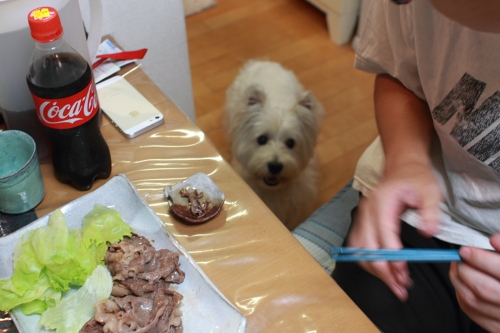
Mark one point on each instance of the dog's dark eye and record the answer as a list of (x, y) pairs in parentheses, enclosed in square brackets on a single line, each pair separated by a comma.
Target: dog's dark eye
[(290, 143), (262, 140)]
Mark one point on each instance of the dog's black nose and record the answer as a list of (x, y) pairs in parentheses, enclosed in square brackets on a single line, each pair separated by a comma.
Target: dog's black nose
[(275, 167)]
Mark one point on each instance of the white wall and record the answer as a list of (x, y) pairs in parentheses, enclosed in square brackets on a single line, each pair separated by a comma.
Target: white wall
[(159, 26)]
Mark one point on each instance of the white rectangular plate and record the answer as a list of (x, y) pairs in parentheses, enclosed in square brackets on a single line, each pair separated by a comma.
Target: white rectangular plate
[(204, 307)]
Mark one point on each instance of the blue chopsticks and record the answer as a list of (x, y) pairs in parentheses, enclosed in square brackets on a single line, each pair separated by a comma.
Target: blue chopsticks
[(411, 255)]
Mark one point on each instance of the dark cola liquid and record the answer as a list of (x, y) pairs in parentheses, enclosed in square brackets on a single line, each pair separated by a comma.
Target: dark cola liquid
[(80, 154)]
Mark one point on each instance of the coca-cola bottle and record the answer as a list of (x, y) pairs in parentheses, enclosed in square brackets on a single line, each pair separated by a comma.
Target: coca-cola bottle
[(63, 89)]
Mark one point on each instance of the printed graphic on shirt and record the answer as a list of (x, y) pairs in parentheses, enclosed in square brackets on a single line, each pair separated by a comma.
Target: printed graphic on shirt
[(474, 128)]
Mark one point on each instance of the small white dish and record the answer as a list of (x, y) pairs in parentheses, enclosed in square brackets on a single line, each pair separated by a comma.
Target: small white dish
[(196, 199)]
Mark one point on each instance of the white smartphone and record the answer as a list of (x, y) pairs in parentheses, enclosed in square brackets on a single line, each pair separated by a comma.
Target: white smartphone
[(126, 107)]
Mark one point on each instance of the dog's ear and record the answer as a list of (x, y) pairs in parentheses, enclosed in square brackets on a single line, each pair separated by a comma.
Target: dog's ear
[(310, 102), (255, 96), (307, 100)]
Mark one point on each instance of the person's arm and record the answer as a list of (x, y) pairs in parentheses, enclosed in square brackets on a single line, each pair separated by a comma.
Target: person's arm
[(405, 127)]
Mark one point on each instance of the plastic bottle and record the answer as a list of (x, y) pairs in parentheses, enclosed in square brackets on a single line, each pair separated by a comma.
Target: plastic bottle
[(63, 89)]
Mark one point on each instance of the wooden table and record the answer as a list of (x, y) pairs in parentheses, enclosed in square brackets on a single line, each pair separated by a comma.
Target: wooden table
[(245, 251)]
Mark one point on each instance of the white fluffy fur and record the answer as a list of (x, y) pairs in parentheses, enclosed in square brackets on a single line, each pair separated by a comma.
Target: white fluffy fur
[(271, 118)]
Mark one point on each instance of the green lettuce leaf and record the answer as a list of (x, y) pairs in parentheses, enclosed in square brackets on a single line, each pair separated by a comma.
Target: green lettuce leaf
[(52, 259), (48, 299), (12, 299), (76, 309), (103, 225)]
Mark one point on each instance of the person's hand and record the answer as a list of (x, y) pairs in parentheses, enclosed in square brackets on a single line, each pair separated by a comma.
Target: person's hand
[(477, 284), (406, 131), (377, 223)]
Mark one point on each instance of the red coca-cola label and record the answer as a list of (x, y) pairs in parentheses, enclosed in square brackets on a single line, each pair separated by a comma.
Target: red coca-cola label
[(68, 112)]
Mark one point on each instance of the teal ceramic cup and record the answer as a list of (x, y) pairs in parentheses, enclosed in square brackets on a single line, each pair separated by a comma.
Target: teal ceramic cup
[(21, 184)]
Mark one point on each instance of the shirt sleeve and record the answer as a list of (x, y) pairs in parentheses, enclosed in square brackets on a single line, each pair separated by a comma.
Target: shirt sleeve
[(387, 45)]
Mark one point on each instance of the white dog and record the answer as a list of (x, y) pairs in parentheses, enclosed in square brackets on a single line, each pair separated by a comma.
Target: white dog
[(273, 125)]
